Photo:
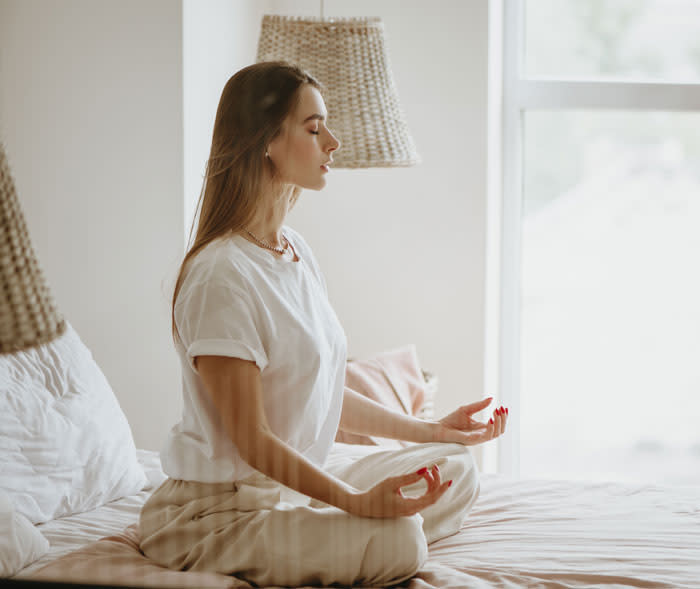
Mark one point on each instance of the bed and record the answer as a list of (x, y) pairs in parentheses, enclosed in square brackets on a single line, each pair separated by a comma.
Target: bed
[(520, 533)]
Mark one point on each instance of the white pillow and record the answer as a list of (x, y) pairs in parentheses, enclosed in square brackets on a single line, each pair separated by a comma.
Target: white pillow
[(20, 542), (65, 444)]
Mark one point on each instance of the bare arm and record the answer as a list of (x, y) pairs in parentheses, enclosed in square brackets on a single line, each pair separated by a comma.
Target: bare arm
[(235, 388), (364, 416)]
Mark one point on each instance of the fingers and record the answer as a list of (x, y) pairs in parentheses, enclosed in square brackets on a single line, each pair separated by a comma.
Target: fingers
[(408, 479), (504, 415), (493, 426), (430, 497), (431, 476), (410, 505), (424, 473), (497, 423), (434, 478), (472, 408), (479, 405)]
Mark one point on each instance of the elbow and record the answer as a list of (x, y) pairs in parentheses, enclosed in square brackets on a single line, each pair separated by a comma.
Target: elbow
[(252, 444)]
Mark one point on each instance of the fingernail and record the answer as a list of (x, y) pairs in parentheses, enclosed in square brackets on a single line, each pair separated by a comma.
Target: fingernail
[(506, 410), (502, 409), (423, 470), (450, 483), (491, 421)]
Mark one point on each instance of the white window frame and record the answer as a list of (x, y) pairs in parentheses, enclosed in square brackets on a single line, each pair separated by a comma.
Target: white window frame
[(510, 95)]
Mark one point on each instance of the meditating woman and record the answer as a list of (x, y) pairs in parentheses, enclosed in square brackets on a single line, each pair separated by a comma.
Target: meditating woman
[(252, 489)]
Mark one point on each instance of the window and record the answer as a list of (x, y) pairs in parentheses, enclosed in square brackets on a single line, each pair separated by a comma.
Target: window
[(598, 324)]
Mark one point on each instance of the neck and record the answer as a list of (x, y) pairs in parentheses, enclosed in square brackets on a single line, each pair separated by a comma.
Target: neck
[(267, 225)]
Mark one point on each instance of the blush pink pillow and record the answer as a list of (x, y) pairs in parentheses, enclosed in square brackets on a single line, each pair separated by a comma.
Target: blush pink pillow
[(392, 378)]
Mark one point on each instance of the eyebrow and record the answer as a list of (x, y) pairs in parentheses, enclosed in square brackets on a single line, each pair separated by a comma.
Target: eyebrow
[(315, 116)]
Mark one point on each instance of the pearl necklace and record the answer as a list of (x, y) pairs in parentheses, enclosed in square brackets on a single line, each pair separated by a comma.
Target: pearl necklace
[(263, 243)]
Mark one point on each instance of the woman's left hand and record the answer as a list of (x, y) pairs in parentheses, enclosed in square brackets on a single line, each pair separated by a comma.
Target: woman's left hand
[(459, 426)]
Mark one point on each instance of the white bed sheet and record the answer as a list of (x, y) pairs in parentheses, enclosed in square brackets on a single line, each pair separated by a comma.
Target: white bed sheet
[(556, 534), (520, 533), (67, 534)]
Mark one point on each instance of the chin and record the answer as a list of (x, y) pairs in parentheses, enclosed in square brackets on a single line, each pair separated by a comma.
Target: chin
[(319, 185)]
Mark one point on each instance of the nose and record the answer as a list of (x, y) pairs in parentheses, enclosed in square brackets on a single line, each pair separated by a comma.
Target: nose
[(335, 143)]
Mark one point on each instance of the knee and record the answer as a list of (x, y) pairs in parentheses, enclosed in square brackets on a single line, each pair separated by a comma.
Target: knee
[(460, 458), (462, 453), (397, 551), (413, 548), (463, 469), (471, 472)]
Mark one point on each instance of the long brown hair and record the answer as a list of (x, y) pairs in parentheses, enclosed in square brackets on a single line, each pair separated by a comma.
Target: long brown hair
[(252, 109)]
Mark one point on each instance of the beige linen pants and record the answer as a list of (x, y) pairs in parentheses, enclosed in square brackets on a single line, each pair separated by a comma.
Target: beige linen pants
[(267, 534)]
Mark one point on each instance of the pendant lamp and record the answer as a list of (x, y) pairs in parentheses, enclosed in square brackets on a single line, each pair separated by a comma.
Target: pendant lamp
[(349, 57), (28, 315)]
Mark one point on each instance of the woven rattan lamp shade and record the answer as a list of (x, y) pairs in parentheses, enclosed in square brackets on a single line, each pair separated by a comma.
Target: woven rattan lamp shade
[(28, 315), (348, 56)]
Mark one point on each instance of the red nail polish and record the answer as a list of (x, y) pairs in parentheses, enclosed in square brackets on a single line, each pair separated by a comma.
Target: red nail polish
[(423, 470), (491, 421), (449, 484), (506, 410), (502, 409)]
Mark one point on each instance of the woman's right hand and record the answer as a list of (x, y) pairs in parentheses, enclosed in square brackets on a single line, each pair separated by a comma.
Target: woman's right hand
[(385, 499)]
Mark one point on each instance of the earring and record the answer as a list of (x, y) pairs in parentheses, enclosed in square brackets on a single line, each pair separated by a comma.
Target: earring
[(267, 154)]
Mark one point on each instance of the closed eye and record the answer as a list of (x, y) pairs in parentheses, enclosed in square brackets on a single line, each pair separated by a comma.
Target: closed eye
[(314, 132)]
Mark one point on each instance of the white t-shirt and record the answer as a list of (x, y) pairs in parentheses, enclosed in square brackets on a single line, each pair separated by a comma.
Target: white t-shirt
[(242, 301)]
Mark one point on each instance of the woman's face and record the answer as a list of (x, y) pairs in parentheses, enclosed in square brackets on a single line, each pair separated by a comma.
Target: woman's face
[(307, 144)]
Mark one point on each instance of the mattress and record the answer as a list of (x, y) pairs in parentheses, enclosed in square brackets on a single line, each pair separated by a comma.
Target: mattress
[(520, 533), (67, 534)]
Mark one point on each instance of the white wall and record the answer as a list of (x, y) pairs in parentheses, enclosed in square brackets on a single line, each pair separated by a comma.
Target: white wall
[(93, 96), (91, 116), (220, 37)]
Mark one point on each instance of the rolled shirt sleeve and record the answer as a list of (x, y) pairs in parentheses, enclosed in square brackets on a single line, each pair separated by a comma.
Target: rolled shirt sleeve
[(214, 316)]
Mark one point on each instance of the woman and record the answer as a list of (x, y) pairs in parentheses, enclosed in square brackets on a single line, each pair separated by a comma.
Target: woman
[(253, 487)]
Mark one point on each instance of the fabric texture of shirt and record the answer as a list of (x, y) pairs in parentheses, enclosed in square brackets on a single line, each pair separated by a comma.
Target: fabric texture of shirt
[(241, 301)]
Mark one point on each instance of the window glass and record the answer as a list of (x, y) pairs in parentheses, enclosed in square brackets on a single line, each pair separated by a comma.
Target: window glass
[(610, 332), (657, 40)]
